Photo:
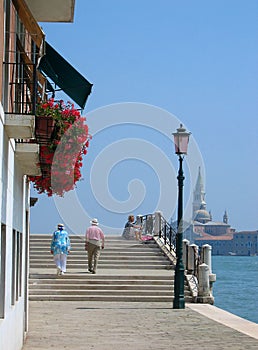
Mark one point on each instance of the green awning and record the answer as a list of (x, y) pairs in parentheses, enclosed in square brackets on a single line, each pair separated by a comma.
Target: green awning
[(55, 67)]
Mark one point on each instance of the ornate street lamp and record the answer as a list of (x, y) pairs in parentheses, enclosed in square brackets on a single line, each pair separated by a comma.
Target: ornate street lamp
[(181, 139)]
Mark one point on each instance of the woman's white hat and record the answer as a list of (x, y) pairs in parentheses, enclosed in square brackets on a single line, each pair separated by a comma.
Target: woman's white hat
[(94, 221)]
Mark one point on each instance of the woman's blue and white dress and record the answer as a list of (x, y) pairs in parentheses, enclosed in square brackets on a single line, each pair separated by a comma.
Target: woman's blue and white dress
[(60, 242), (60, 246)]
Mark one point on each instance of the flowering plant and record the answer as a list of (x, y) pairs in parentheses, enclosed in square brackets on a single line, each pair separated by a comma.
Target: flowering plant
[(61, 157)]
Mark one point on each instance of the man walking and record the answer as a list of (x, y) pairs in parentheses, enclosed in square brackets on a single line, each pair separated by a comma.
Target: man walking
[(94, 240)]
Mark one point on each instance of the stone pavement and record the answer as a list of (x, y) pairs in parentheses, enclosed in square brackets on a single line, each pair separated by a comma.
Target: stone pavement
[(135, 326)]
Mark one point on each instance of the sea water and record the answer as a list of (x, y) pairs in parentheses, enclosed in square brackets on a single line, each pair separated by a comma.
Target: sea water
[(236, 287)]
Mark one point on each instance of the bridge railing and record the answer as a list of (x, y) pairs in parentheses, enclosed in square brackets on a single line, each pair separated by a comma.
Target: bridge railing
[(197, 263), (156, 225)]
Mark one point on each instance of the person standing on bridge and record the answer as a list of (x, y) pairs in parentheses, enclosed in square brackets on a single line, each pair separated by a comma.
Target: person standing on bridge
[(94, 240), (60, 248)]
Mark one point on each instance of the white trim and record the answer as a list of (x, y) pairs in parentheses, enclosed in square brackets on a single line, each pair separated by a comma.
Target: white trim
[(2, 116), (226, 318)]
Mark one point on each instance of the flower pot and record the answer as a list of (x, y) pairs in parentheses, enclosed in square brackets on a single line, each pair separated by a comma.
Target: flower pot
[(44, 128)]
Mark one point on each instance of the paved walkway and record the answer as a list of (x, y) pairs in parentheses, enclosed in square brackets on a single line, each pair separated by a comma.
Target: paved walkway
[(91, 325), (136, 326)]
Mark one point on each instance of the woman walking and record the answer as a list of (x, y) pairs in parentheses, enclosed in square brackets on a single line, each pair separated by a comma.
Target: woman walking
[(60, 248)]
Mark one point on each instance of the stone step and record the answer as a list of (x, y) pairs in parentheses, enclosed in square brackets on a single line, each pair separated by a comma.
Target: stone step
[(87, 277), (104, 259), (105, 252), (83, 287), (119, 252), (109, 266), (103, 282), (100, 286), (111, 292), (80, 246), (107, 242), (104, 298), (110, 238), (149, 244), (48, 238), (45, 243), (71, 262), (74, 237)]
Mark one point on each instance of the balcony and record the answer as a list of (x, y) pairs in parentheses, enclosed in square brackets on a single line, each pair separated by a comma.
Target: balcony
[(52, 10), (28, 157), (26, 88), (20, 126)]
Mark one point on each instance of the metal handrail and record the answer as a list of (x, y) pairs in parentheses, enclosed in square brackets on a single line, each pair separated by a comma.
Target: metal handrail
[(166, 234), (156, 225), (147, 223), (166, 231)]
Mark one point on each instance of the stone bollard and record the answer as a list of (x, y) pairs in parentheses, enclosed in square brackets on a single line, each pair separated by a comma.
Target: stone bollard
[(185, 253), (192, 259), (206, 259), (206, 255), (204, 295), (157, 223)]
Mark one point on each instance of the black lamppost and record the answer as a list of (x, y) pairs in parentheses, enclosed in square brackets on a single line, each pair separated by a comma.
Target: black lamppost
[(181, 139)]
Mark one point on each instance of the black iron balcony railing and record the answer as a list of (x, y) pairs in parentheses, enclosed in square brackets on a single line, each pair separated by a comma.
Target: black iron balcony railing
[(26, 88)]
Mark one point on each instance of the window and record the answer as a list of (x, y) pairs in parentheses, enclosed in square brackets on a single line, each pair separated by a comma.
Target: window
[(16, 266), (2, 269), (13, 290), (19, 262)]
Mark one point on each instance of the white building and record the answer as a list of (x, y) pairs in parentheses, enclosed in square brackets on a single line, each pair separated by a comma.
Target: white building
[(22, 43)]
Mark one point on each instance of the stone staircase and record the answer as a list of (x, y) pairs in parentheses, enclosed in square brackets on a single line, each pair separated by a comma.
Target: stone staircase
[(127, 271)]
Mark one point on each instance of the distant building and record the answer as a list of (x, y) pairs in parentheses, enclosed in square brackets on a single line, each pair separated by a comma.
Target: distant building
[(245, 243), (240, 243), (221, 245), (202, 219), (223, 239)]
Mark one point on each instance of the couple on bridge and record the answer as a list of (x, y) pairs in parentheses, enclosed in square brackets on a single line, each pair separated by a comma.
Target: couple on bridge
[(94, 242)]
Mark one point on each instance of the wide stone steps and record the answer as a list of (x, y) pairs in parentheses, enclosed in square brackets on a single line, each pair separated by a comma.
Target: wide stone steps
[(127, 271)]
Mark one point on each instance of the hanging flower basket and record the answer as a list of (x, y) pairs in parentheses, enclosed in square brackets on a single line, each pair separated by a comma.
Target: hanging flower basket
[(44, 127), (62, 151)]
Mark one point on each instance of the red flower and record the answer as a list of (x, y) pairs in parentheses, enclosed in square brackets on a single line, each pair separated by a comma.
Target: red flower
[(61, 159)]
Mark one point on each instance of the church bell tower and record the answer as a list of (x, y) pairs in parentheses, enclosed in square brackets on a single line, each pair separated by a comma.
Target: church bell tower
[(199, 194)]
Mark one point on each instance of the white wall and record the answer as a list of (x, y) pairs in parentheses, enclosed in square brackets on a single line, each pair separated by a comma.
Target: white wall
[(14, 201)]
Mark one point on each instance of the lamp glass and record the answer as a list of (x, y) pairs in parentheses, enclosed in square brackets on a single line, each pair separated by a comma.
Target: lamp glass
[(181, 140)]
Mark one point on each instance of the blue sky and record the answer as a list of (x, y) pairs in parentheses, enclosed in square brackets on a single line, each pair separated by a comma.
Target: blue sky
[(197, 60)]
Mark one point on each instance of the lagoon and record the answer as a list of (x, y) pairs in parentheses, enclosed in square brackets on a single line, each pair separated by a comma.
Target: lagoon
[(236, 287)]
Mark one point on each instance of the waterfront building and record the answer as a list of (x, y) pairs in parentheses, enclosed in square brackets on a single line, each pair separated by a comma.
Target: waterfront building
[(223, 239), (202, 219), (245, 243), (22, 86)]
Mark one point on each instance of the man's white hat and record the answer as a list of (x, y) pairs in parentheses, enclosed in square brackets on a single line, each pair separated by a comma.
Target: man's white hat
[(94, 221)]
